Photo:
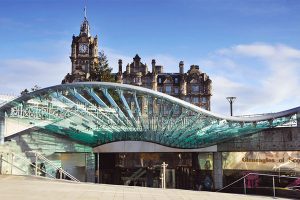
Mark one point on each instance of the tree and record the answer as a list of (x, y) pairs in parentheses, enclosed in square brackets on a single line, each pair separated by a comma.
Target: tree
[(35, 87), (26, 91), (102, 72)]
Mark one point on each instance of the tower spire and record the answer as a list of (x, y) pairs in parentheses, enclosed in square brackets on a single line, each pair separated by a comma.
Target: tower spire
[(85, 28)]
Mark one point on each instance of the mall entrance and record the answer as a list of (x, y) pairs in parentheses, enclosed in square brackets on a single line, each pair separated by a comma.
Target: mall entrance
[(191, 171)]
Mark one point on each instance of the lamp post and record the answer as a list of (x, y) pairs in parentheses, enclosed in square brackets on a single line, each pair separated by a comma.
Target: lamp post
[(231, 100)]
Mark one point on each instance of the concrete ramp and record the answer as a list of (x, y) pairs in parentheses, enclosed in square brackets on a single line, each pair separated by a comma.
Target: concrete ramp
[(31, 188)]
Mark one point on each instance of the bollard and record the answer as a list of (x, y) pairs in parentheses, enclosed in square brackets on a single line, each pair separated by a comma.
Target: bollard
[(274, 195), (245, 190)]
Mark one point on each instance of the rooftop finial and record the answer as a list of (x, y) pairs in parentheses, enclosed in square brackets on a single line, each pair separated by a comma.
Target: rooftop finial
[(84, 11), (85, 28)]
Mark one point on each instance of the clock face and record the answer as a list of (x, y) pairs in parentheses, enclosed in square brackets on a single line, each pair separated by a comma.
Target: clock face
[(83, 48)]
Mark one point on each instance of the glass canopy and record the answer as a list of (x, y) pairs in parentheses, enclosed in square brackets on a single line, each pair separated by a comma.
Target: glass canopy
[(96, 113)]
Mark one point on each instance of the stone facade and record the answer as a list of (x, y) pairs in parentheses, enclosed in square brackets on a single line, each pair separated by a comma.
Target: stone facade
[(193, 86), (275, 139), (84, 55)]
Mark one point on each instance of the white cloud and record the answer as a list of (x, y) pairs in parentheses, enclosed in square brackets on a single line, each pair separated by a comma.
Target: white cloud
[(262, 50), (18, 74), (264, 77)]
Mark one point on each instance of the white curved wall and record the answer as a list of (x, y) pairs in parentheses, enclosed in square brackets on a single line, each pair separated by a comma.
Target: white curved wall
[(140, 146)]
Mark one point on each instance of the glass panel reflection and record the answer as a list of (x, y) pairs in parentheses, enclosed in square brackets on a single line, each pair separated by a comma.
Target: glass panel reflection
[(185, 170)]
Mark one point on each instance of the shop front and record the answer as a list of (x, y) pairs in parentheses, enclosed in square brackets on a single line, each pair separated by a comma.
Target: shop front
[(184, 170), (284, 164)]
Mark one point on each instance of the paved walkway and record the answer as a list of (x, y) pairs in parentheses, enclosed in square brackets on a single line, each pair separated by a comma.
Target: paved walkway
[(31, 188)]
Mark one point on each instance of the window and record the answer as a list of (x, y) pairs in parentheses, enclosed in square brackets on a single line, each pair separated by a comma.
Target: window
[(176, 80), (195, 99), (159, 89), (204, 100), (137, 80), (168, 89), (187, 99), (195, 88), (159, 80), (176, 90)]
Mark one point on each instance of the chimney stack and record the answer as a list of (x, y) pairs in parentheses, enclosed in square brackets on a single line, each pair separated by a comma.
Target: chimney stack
[(153, 66), (120, 66), (181, 67)]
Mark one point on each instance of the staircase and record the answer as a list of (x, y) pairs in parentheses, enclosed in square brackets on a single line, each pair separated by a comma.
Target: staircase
[(135, 176), (13, 160)]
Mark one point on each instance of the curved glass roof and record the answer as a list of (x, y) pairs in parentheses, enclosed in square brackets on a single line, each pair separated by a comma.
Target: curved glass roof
[(96, 113)]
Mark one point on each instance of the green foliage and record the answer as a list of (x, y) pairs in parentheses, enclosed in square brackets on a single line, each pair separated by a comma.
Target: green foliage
[(26, 91), (102, 72)]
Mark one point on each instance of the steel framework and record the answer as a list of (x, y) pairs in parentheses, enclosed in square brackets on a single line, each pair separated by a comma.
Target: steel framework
[(96, 113)]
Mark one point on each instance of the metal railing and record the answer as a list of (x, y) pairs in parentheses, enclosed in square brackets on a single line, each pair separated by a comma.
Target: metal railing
[(258, 174), (13, 165), (33, 165), (62, 173)]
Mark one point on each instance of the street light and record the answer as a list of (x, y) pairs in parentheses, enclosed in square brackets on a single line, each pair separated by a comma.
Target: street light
[(231, 100)]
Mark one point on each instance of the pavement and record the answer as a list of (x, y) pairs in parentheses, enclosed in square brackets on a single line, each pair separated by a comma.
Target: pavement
[(32, 188)]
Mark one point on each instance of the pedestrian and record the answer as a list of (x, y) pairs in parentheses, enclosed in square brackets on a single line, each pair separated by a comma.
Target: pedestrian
[(42, 169)]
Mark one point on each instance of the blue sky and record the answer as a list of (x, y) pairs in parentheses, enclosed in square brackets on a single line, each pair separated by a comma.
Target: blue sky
[(250, 49)]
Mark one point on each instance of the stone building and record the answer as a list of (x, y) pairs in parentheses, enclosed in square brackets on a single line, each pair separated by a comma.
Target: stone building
[(84, 55), (193, 86)]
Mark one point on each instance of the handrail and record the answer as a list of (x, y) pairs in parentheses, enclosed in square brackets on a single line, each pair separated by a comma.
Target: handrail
[(54, 166), (25, 160), (63, 171), (12, 164), (270, 175), (35, 166)]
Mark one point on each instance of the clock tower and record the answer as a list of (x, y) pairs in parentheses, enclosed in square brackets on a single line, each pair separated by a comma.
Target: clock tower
[(84, 55)]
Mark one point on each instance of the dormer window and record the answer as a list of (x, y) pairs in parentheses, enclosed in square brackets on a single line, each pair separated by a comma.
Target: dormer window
[(159, 80), (176, 80)]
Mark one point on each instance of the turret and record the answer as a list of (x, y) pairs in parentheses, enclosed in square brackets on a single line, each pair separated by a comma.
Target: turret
[(85, 27), (95, 51), (73, 53), (136, 60)]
